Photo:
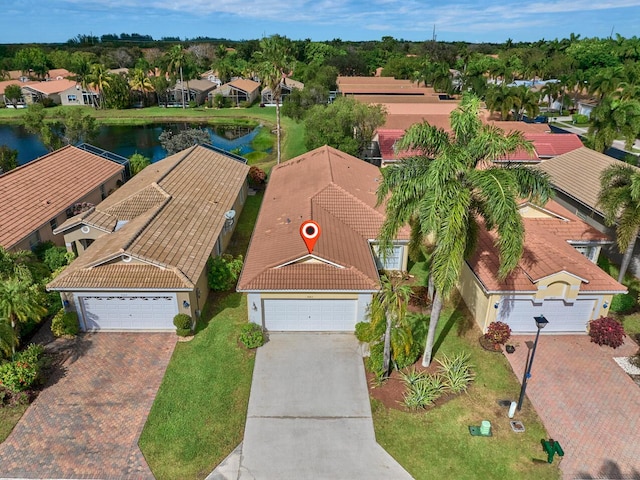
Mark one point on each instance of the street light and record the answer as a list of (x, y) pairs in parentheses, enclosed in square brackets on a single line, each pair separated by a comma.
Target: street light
[(541, 322)]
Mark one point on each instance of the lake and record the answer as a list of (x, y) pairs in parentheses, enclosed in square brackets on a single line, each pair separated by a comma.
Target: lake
[(125, 140)]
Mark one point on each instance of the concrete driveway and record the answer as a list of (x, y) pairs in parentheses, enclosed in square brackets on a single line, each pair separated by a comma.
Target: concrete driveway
[(309, 414), (87, 423), (586, 402)]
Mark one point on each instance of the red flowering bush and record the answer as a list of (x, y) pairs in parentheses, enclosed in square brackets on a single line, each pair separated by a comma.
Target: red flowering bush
[(257, 176), (498, 333), (606, 331)]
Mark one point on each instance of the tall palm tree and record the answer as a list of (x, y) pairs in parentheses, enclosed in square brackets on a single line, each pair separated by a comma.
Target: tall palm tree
[(606, 81), (451, 188), (20, 301), (389, 305), (100, 79), (503, 99), (619, 199), (527, 102), (139, 82), (177, 59), (614, 118), (273, 63), (8, 338)]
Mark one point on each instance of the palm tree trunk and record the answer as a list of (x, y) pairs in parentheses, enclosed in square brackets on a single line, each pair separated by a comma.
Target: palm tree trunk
[(182, 88), (626, 259), (386, 359), (278, 128), (430, 287), (433, 325)]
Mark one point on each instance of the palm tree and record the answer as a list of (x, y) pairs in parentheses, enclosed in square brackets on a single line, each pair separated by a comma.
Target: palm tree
[(607, 80), (20, 301), (503, 99), (527, 102), (451, 188), (177, 60), (8, 338), (140, 82), (100, 80), (614, 118), (619, 199), (274, 63), (389, 305)]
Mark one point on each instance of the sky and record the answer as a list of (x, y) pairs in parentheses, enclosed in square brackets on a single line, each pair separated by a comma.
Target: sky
[(51, 21)]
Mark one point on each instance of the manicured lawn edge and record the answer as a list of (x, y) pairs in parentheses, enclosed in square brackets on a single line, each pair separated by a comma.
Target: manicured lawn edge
[(435, 441)]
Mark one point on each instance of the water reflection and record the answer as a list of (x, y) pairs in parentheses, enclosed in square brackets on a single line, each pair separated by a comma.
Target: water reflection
[(126, 140)]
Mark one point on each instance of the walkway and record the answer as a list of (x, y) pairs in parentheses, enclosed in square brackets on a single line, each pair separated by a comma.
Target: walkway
[(309, 414), (586, 402), (87, 424)]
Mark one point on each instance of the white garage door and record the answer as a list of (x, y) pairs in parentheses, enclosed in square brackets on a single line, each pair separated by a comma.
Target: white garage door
[(130, 312), (310, 315), (563, 317)]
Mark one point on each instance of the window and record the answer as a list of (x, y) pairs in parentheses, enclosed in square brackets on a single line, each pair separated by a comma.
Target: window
[(393, 259), (34, 239), (72, 98), (589, 251), (54, 224)]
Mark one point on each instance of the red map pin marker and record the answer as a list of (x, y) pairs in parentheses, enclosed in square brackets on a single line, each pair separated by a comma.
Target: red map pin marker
[(310, 231)]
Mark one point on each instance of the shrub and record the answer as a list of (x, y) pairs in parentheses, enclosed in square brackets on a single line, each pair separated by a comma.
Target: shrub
[(622, 303), (65, 324), (606, 331), (251, 335), (374, 362), (456, 372), (257, 176), (498, 333), (57, 257), (20, 374), (580, 118), (423, 392), (223, 272), (182, 321), (366, 333), (183, 332)]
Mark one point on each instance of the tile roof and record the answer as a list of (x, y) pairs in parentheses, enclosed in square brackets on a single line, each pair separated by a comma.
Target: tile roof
[(547, 252), (577, 174), (51, 87), (5, 83), (546, 145), (171, 215), (245, 85), (33, 194), (339, 192)]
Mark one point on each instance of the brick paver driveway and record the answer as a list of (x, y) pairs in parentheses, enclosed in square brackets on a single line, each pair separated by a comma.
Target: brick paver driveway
[(87, 424), (586, 402)]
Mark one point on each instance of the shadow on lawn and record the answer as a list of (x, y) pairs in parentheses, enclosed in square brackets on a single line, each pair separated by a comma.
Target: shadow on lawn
[(464, 323), (217, 302)]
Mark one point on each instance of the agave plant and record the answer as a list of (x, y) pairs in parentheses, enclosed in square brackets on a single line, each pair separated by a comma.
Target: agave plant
[(456, 372)]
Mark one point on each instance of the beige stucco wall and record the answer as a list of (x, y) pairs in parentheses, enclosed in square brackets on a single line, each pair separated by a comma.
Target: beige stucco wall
[(474, 297)]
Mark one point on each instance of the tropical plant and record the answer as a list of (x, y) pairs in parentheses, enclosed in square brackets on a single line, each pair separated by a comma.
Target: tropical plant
[(20, 301), (251, 335), (451, 198), (177, 60), (498, 333), (140, 82), (389, 305), (65, 324), (614, 118), (619, 199), (223, 271), (13, 93), (607, 331), (138, 162), (423, 392), (274, 63), (8, 159), (100, 79), (9, 339), (456, 372)]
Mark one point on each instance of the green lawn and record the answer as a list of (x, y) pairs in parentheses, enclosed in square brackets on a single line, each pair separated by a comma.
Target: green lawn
[(199, 413), (9, 417), (436, 441)]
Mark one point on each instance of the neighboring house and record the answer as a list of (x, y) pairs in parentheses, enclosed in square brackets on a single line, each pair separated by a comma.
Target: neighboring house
[(329, 289), (557, 275), (546, 146), (148, 244), (211, 76), (240, 91), (60, 92), (4, 84), (197, 91), (286, 87), (40, 195), (586, 107)]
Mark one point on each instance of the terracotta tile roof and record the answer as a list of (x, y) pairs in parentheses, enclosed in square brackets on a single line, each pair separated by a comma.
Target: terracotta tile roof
[(175, 211), (339, 192), (132, 277), (403, 122), (35, 193), (577, 174), (51, 87), (547, 252), (5, 83), (387, 139), (546, 145)]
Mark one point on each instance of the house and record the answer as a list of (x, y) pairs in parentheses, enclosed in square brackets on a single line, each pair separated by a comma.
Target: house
[(194, 91), (557, 275), (329, 287), (287, 86), (42, 194), (545, 146), (60, 92), (3, 85), (240, 91), (144, 250)]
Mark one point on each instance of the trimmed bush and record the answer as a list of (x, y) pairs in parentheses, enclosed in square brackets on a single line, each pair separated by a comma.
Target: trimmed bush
[(622, 303), (580, 118), (607, 331), (223, 272), (182, 321), (183, 332), (366, 333), (21, 374), (498, 333), (251, 335), (257, 176), (65, 324)]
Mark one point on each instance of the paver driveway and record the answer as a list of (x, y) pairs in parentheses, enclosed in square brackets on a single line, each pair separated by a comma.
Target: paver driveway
[(586, 402), (87, 424)]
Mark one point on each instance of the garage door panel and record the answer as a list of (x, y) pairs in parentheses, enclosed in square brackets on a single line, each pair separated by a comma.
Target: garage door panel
[(563, 317), (131, 312), (310, 315)]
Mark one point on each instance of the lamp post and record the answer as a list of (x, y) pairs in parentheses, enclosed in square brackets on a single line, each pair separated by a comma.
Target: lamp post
[(541, 322)]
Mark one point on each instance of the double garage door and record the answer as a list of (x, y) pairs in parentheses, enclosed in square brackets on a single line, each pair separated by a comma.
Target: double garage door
[(297, 315), (128, 312), (563, 317)]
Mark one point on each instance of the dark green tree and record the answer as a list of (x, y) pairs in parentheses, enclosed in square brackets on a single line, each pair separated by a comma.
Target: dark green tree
[(8, 159)]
